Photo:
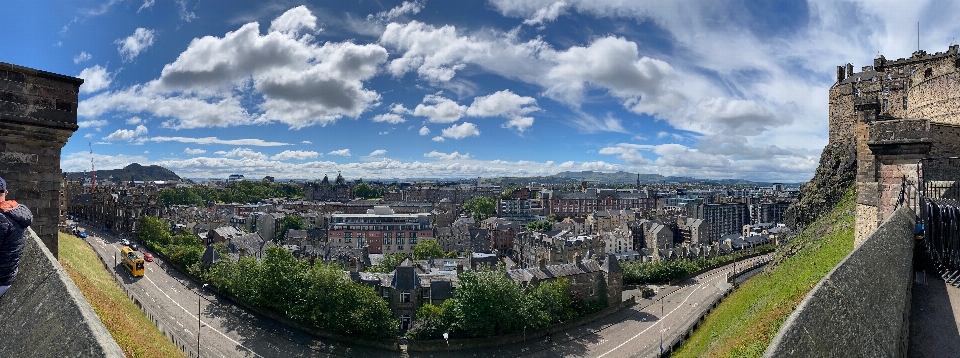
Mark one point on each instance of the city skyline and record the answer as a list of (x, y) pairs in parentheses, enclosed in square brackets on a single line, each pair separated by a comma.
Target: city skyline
[(480, 89)]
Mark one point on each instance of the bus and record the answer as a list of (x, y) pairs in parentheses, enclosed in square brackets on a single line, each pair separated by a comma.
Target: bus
[(132, 261)]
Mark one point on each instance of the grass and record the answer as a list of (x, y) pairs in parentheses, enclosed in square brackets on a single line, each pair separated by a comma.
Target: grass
[(133, 331), (744, 324)]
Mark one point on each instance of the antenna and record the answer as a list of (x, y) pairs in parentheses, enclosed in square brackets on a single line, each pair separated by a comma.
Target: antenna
[(93, 171)]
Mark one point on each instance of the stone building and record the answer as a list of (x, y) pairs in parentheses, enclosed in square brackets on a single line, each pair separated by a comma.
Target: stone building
[(339, 190), (896, 112), (720, 219), (38, 114), (117, 208), (590, 200), (380, 229)]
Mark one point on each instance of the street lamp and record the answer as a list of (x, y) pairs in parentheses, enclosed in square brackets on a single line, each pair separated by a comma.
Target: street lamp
[(199, 323)]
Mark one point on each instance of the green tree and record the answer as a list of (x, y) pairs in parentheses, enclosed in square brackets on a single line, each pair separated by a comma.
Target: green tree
[(388, 263), (288, 222), (428, 249), (541, 226), (490, 304), (364, 190), (154, 231), (554, 218), (553, 300), (480, 207)]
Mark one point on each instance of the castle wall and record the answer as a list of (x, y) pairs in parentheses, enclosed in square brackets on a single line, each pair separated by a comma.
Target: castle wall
[(38, 113)]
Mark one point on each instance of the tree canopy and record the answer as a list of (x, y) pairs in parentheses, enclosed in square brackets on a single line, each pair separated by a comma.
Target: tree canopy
[(541, 226), (288, 222), (480, 207), (364, 190), (429, 249), (236, 192)]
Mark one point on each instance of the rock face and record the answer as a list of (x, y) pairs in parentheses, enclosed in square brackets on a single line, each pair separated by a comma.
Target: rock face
[(836, 173)]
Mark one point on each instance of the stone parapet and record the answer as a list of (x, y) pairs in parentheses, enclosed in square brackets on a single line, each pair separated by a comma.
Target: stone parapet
[(43, 314), (38, 114), (862, 307)]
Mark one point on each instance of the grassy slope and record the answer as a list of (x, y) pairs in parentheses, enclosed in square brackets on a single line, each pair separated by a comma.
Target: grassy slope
[(744, 324), (132, 330)]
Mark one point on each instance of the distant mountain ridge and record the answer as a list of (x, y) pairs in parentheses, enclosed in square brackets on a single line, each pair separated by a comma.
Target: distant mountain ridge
[(616, 178), (132, 172)]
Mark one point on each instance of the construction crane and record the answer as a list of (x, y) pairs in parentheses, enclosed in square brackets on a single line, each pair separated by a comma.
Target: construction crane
[(93, 171)]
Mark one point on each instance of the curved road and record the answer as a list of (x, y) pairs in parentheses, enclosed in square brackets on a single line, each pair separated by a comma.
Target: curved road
[(171, 300)]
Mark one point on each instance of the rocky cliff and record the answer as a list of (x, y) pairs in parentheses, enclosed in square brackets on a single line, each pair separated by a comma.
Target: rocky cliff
[(837, 172)]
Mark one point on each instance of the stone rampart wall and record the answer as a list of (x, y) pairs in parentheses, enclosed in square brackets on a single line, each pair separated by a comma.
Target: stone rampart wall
[(43, 314), (862, 307)]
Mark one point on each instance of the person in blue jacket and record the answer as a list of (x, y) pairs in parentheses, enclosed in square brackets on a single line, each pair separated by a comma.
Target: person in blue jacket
[(14, 220)]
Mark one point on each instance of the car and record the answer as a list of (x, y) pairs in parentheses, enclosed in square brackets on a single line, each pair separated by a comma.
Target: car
[(147, 257), (134, 246), (124, 242), (83, 235)]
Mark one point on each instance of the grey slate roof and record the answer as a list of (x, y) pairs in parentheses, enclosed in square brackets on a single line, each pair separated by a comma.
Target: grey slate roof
[(553, 271)]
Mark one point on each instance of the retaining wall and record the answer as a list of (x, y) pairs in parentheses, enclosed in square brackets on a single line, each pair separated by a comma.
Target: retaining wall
[(862, 307), (43, 314)]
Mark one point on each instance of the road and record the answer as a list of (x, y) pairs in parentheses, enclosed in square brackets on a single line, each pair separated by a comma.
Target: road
[(171, 300)]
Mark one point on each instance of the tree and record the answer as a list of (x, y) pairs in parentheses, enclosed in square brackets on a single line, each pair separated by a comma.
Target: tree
[(288, 222), (480, 207), (364, 190), (388, 263), (427, 249), (541, 226), (489, 304), (154, 231)]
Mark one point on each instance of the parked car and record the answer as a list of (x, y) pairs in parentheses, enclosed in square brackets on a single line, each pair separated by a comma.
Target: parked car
[(83, 235), (124, 242), (134, 246), (147, 257)]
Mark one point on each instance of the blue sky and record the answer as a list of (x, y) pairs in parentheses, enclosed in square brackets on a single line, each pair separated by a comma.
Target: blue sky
[(409, 89)]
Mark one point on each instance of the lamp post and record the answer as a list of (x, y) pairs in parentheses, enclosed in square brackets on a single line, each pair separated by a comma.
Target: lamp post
[(199, 322)]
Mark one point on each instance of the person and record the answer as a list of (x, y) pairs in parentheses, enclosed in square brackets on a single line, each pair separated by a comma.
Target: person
[(14, 220)]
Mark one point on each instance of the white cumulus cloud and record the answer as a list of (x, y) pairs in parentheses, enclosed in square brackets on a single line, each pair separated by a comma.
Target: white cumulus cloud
[(388, 118), (245, 153), (438, 109), (95, 78), (132, 45), (193, 151), (378, 152), (126, 134), (341, 152), (295, 154), (460, 131), (446, 156), (424, 130), (83, 56)]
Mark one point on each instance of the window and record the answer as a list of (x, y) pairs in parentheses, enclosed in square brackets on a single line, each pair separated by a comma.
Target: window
[(904, 102), (387, 248), (385, 293), (399, 241), (889, 76), (426, 294), (885, 107), (400, 248), (399, 235), (404, 297), (413, 241), (413, 235), (886, 90), (387, 235), (387, 241), (347, 235)]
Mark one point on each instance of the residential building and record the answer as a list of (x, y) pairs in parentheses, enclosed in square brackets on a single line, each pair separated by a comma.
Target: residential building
[(381, 230)]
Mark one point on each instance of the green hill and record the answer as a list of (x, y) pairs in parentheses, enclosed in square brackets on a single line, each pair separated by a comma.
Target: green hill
[(744, 324), (132, 172)]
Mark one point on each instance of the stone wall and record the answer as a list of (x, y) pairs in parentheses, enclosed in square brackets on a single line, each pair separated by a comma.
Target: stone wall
[(38, 113), (43, 314), (862, 307)]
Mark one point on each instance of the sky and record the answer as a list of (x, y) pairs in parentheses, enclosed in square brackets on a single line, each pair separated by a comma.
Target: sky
[(459, 89)]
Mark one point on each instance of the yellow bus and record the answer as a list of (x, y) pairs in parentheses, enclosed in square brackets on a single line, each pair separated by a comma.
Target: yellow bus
[(132, 261)]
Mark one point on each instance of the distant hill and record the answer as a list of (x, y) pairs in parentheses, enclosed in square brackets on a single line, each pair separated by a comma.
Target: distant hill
[(614, 178), (132, 172)]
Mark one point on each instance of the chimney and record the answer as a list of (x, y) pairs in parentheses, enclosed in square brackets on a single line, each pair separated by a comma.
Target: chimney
[(459, 267), (577, 258), (849, 70), (542, 262), (841, 72)]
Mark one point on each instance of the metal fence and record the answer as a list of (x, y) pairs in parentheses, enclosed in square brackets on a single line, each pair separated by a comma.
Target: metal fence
[(939, 214)]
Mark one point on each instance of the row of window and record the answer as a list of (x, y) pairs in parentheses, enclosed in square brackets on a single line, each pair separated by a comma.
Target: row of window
[(386, 235)]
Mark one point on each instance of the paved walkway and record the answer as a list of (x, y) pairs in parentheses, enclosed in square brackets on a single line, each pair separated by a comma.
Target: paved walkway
[(934, 318)]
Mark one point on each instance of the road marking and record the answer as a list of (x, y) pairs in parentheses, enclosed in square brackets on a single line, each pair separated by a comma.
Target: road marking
[(704, 285), (201, 322)]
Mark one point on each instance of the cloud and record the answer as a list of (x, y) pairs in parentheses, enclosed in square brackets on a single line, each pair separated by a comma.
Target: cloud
[(185, 15), (566, 165), (95, 78), (245, 153), (294, 20), (590, 124), (306, 142), (215, 140), (407, 7), (446, 156), (126, 134), (135, 121), (389, 118), (460, 131), (193, 151), (424, 130), (438, 109), (341, 152), (83, 56), (93, 123), (132, 45), (378, 152), (438, 139), (547, 14), (295, 154), (508, 105), (628, 154), (146, 5), (398, 108)]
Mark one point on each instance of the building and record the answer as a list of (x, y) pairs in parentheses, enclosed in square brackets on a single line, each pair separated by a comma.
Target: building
[(590, 200), (381, 230), (326, 191), (720, 219), (516, 210)]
